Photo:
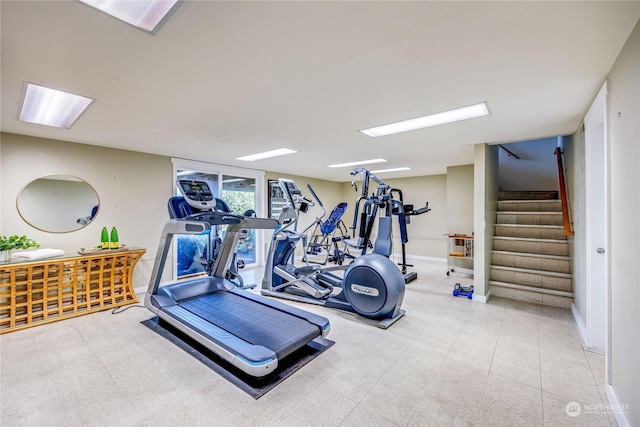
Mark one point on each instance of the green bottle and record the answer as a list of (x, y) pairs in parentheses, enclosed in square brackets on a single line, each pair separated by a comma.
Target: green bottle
[(104, 238), (114, 239)]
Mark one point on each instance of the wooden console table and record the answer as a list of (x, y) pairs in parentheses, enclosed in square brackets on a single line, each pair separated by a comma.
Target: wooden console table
[(39, 292)]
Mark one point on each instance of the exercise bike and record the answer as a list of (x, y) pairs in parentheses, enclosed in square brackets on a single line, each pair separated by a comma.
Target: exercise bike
[(371, 286)]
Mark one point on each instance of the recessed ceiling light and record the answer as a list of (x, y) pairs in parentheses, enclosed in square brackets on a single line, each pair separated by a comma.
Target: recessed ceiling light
[(392, 170), (51, 107), (360, 162), (464, 113), (144, 14), (267, 154)]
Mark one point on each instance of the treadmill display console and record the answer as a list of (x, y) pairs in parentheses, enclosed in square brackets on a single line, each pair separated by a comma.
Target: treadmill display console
[(197, 193)]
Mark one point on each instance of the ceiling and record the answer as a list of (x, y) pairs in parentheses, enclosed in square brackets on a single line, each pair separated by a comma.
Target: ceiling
[(226, 79)]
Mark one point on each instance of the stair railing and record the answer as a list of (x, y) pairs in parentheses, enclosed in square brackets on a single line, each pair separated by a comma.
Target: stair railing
[(566, 220), (509, 152)]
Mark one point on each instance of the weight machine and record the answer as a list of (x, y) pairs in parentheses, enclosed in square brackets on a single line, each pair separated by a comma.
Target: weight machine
[(366, 212)]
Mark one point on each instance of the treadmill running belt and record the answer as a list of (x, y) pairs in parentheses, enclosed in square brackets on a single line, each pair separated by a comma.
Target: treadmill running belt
[(255, 323)]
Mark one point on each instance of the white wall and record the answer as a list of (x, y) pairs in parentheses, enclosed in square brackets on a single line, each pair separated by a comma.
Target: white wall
[(624, 103), (484, 208), (574, 156), (624, 158), (535, 170)]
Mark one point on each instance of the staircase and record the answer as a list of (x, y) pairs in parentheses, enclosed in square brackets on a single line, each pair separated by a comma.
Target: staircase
[(530, 260)]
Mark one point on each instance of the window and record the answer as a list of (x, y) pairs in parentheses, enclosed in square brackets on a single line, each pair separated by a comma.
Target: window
[(240, 194), (242, 191)]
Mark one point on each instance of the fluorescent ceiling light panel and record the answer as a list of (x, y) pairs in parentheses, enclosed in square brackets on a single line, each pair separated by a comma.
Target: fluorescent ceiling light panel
[(392, 170), (358, 163), (51, 107), (267, 154), (144, 14), (464, 113)]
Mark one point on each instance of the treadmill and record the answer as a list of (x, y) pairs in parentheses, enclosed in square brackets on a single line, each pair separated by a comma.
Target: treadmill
[(247, 330)]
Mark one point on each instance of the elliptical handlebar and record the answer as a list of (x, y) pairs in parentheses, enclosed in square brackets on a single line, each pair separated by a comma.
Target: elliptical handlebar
[(318, 219), (315, 196)]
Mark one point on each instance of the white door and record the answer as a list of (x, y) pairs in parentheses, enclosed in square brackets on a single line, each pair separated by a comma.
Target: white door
[(597, 222)]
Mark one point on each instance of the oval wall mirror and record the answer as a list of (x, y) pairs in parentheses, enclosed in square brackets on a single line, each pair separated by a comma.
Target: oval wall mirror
[(58, 203)]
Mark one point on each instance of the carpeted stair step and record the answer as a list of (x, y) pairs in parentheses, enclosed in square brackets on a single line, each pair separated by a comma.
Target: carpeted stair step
[(540, 279), (529, 294), (534, 246), (529, 206), (553, 263), (530, 258), (527, 195), (530, 218), (555, 232)]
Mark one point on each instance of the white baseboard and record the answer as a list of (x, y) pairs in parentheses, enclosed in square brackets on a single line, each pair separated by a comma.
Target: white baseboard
[(582, 328), (140, 290), (618, 410), (481, 298), (421, 258)]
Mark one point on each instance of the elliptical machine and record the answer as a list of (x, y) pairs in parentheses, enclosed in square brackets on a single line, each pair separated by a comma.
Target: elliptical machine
[(372, 285)]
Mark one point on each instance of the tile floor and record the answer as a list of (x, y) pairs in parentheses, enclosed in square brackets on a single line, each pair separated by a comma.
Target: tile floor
[(449, 361)]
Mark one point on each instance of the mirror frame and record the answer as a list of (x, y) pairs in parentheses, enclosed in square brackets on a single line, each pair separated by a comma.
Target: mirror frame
[(76, 179)]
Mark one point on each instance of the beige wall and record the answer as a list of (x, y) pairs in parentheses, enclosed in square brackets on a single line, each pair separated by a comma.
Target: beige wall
[(460, 199), (624, 149), (133, 189), (426, 232), (460, 205)]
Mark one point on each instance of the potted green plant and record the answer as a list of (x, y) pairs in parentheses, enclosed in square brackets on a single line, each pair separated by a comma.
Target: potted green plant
[(10, 243)]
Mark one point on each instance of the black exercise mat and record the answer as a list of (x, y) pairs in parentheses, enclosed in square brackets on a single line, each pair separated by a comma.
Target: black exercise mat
[(255, 387)]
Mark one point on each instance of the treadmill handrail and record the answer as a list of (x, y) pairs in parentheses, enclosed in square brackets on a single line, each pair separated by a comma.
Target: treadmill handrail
[(230, 242), (191, 225), (214, 217)]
